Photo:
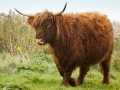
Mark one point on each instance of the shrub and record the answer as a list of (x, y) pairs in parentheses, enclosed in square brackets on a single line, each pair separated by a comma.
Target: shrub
[(14, 33)]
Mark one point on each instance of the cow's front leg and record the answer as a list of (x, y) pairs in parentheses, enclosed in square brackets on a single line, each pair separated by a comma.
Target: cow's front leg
[(69, 80), (67, 75), (72, 82), (66, 78)]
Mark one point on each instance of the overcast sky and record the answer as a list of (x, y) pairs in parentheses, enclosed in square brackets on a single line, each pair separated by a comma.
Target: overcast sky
[(109, 7)]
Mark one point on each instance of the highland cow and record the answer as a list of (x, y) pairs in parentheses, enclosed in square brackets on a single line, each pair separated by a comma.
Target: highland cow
[(77, 40)]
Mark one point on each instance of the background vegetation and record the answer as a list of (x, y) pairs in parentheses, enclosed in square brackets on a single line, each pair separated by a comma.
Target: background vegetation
[(25, 66)]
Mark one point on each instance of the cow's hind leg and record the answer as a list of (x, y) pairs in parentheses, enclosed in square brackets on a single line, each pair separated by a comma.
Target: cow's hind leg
[(105, 67), (83, 72)]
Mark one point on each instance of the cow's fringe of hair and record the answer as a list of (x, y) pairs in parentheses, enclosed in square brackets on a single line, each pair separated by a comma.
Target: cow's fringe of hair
[(59, 19)]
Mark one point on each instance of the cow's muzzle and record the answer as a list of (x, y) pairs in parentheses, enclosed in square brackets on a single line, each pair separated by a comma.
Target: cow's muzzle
[(40, 41)]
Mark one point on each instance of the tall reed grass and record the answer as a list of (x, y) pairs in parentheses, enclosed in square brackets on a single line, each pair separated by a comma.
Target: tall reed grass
[(16, 33)]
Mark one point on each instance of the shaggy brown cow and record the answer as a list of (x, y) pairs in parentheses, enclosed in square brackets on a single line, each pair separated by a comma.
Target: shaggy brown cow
[(76, 40)]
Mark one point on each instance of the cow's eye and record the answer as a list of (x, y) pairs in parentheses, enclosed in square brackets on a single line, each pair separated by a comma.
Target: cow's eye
[(47, 26)]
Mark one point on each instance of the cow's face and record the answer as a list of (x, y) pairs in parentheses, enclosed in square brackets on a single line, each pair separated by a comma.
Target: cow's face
[(45, 27), (44, 24)]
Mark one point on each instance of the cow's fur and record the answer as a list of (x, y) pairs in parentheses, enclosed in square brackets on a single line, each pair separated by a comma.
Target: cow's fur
[(76, 40)]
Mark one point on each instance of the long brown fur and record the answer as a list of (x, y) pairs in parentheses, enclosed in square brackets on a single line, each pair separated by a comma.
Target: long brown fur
[(78, 40)]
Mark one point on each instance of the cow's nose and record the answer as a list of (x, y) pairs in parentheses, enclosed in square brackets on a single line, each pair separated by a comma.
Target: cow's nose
[(39, 41)]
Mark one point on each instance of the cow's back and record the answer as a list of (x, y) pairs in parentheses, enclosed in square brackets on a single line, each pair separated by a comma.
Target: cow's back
[(96, 35)]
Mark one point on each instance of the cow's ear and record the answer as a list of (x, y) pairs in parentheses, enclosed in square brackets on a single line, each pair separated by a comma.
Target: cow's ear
[(30, 21)]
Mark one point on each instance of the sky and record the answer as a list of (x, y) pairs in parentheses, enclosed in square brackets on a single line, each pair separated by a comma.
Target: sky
[(111, 8)]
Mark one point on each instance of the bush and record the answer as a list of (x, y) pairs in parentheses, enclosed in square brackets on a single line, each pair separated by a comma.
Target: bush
[(14, 33), (116, 55)]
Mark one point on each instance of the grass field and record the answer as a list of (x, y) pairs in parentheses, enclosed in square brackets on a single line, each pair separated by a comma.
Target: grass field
[(24, 66), (21, 72)]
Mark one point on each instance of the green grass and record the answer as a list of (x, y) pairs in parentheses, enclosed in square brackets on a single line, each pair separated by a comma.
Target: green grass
[(40, 73), (29, 80)]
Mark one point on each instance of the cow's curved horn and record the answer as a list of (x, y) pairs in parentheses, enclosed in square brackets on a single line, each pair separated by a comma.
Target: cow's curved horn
[(59, 13), (28, 15)]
